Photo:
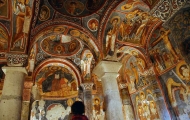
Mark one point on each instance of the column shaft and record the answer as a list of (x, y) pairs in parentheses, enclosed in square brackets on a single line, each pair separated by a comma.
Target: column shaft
[(87, 90), (107, 71), (114, 108), (127, 105), (11, 100)]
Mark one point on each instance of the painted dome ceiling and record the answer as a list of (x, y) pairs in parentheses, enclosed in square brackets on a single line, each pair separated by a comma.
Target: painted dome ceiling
[(60, 45), (75, 7)]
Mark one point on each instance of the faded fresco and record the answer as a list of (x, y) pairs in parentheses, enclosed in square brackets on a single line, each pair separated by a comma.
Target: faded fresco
[(22, 10), (163, 50), (75, 7), (175, 83), (179, 25), (51, 109), (148, 103), (56, 81)]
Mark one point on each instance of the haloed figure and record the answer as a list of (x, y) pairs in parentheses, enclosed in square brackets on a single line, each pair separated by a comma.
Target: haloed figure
[(23, 14), (111, 36)]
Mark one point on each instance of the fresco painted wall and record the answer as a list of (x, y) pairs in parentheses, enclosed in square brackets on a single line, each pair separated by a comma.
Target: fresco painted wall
[(175, 83), (75, 7), (179, 25), (135, 71), (86, 65), (98, 107), (148, 103), (51, 109), (163, 50), (57, 81)]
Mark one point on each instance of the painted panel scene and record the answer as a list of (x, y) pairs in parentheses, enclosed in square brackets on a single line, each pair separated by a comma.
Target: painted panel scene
[(54, 81)]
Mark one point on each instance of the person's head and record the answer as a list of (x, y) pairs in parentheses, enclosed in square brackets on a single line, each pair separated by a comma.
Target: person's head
[(131, 64), (97, 101), (162, 31), (115, 21), (93, 24), (142, 96), (43, 13), (73, 5), (78, 108), (152, 105)]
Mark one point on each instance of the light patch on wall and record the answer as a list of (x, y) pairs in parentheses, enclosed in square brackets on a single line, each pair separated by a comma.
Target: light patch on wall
[(65, 39)]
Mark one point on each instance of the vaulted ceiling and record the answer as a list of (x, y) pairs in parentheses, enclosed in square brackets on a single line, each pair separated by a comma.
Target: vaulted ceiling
[(70, 31)]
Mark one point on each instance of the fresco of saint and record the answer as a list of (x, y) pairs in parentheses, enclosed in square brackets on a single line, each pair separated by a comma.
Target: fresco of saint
[(111, 35), (23, 15)]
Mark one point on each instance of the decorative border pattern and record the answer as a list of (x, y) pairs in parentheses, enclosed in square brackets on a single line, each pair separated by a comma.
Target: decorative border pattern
[(165, 9)]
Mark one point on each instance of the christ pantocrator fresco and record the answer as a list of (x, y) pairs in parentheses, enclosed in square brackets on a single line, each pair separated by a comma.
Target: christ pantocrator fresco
[(57, 81)]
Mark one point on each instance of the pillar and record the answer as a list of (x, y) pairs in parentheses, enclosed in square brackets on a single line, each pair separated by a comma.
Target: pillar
[(127, 105), (26, 98), (108, 72), (11, 100), (87, 92)]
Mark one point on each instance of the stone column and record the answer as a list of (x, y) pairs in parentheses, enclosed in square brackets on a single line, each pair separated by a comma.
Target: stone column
[(87, 91), (128, 109), (11, 100), (26, 98), (108, 72)]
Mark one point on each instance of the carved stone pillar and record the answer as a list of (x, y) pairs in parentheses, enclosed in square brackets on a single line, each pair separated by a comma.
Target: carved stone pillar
[(128, 109), (26, 98), (11, 100), (87, 91), (108, 72)]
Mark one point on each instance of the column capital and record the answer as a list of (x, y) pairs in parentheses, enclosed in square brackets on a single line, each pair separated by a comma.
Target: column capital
[(106, 67), (20, 69), (87, 86), (16, 59)]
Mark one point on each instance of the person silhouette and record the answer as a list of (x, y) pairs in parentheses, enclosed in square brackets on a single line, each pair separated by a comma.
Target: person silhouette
[(77, 110)]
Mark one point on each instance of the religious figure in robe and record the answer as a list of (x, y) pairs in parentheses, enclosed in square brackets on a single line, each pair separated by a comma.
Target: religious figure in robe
[(111, 35), (164, 36), (23, 16)]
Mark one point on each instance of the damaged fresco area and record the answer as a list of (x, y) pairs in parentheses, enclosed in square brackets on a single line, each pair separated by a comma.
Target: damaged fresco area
[(52, 109), (176, 85)]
